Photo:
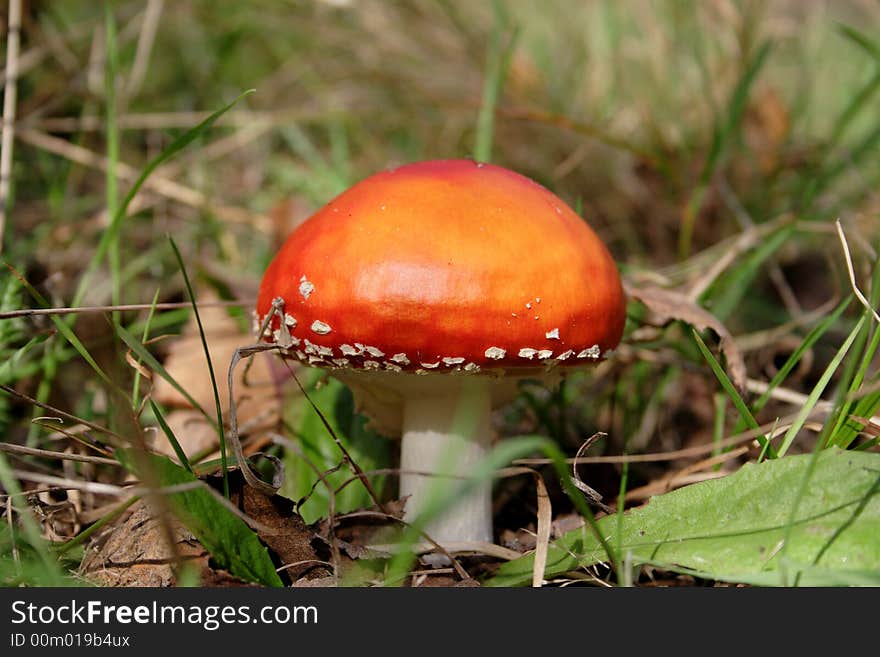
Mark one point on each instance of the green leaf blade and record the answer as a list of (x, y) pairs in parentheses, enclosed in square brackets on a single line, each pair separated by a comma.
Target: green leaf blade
[(732, 528)]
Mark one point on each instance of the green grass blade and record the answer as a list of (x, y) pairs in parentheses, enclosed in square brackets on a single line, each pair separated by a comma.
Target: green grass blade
[(727, 294), (175, 147), (732, 393), (721, 139), (111, 68), (156, 366), (192, 297), (135, 386), (501, 48), (181, 455), (846, 429), (819, 388), (64, 328), (95, 527), (862, 40), (812, 337), (28, 522)]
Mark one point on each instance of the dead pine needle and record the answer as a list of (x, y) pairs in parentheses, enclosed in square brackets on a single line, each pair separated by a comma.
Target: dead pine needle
[(852, 274)]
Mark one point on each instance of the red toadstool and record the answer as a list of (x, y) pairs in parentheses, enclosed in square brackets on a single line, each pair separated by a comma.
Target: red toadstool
[(430, 290)]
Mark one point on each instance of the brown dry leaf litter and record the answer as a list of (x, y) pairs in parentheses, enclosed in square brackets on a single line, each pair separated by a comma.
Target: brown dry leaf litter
[(668, 305), (134, 552), (256, 388)]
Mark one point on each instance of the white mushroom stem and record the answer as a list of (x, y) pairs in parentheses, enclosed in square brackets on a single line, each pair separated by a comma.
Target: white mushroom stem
[(445, 434)]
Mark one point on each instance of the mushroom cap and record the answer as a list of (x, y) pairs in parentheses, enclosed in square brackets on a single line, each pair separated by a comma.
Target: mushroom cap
[(447, 265)]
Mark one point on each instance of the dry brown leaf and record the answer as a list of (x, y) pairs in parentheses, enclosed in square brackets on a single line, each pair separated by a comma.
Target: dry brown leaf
[(256, 388), (193, 431), (667, 305), (134, 552), (284, 532)]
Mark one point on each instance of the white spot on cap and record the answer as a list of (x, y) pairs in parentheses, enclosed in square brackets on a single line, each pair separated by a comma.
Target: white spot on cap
[(591, 352), (552, 335), (392, 367), (527, 352), (348, 350), (545, 353), (400, 358), (513, 314), (495, 353), (312, 348), (529, 305), (283, 338), (315, 359), (565, 355), (342, 362), (320, 327), (290, 320), (306, 287), (300, 354), (373, 351), (430, 366), (471, 367), (371, 365), (453, 360), (537, 299)]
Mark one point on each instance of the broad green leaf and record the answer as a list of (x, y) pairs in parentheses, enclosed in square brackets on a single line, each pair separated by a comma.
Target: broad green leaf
[(732, 528), (368, 449), (232, 544)]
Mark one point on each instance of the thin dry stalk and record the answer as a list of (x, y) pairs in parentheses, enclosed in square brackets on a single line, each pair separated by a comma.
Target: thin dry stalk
[(139, 491), (743, 243), (59, 48), (149, 27), (789, 298), (417, 548), (167, 188), (9, 519), (173, 120), (544, 524), (9, 102), (852, 274), (33, 451), (477, 547), (30, 312), (74, 484)]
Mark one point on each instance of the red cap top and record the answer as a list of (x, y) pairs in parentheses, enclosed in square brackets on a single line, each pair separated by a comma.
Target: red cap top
[(444, 265)]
